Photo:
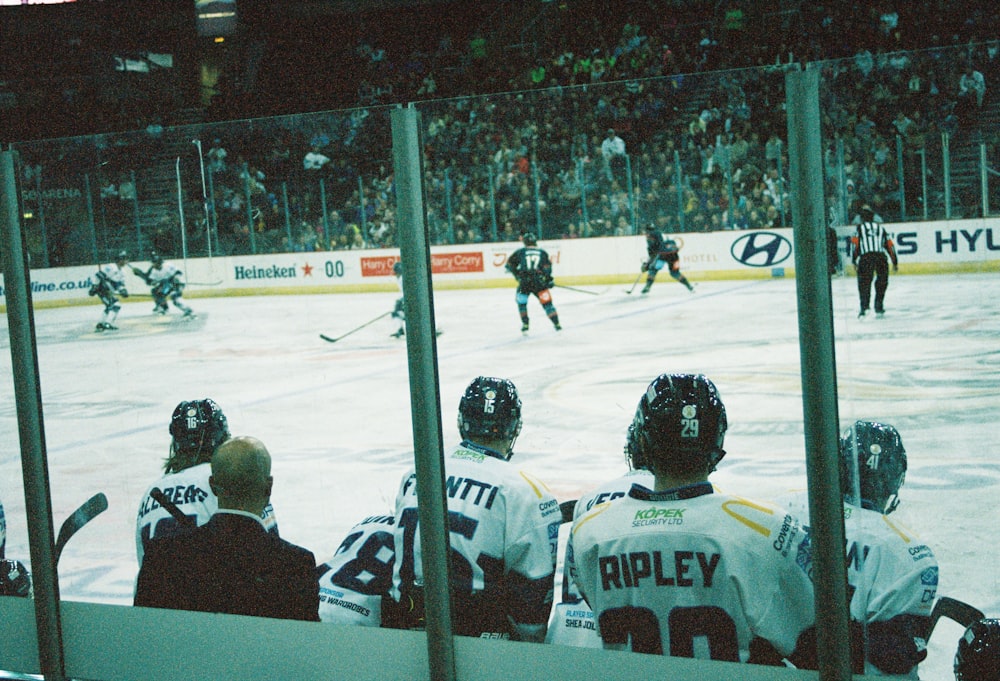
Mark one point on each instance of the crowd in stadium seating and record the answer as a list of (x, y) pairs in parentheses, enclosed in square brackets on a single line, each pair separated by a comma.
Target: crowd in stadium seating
[(705, 152), (696, 93)]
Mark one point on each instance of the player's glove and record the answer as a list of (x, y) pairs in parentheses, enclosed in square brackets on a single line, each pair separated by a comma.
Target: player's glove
[(123, 292), (93, 290), (550, 282), (645, 265)]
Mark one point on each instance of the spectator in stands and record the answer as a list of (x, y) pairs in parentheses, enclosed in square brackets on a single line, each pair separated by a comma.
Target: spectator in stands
[(315, 159), (613, 155), (971, 87)]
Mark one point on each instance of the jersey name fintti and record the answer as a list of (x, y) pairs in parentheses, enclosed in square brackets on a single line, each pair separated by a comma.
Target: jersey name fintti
[(461, 488), (627, 570)]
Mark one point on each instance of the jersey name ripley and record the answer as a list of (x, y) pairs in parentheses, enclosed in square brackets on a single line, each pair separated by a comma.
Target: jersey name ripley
[(683, 568)]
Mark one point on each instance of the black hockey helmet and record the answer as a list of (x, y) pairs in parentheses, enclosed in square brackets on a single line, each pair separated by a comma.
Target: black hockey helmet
[(680, 423), (197, 428), (490, 409), (156, 259), (15, 580), (978, 654), (529, 239), (875, 451)]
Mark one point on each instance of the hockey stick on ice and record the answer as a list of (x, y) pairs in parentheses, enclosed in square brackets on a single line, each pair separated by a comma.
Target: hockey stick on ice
[(635, 283), (93, 507), (171, 508), (329, 339), (203, 283), (578, 290), (953, 609)]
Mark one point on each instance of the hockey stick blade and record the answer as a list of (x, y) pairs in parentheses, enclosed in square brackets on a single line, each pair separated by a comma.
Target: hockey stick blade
[(93, 507), (953, 609), (634, 284), (171, 508), (203, 283)]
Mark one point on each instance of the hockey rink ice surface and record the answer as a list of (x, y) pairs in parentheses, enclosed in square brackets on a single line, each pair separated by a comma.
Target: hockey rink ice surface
[(336, 417)]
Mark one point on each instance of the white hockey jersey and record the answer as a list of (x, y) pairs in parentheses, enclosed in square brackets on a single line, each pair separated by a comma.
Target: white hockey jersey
[(504, 527), (691, 573), (111, 277), (190, 491), (164, 273), (572, 621), (353, 582), (890, 573)]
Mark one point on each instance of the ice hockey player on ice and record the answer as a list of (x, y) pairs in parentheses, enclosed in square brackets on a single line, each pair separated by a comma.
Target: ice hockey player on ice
[(662, 252), (165, 284), (109, 286), (532, 268)]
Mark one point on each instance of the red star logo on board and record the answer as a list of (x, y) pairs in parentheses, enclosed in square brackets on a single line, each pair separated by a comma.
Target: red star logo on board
[(307, 270)]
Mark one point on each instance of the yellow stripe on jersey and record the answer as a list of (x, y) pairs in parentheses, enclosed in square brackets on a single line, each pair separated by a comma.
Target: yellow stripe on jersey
[(537, 486), (897, 529), (591, 514), (756, 527)]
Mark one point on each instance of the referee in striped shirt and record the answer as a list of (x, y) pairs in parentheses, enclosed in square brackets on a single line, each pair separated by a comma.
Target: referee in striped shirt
[(871, 243)]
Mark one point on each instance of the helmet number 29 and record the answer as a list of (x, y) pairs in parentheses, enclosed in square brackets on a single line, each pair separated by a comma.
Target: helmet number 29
[(689, 428)]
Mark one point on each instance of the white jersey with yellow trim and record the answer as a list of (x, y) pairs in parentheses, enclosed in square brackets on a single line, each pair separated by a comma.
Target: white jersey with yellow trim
[(890, 573), (504, 532), (572, 620), (691, 573)]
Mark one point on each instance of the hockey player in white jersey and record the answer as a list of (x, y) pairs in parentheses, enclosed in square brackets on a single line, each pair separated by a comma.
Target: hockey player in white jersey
[(165, 284), (892, 576), (109, 287), (572, 621), (197, 428), (504, 526), (682, 570), (354, 582)]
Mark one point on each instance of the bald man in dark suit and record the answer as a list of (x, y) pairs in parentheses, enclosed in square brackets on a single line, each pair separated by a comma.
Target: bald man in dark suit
[(231, 564)]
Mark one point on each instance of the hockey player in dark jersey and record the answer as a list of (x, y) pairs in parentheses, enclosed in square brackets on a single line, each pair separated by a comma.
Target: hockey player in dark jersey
[(397, 310), (662, 252), (532, 268)]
